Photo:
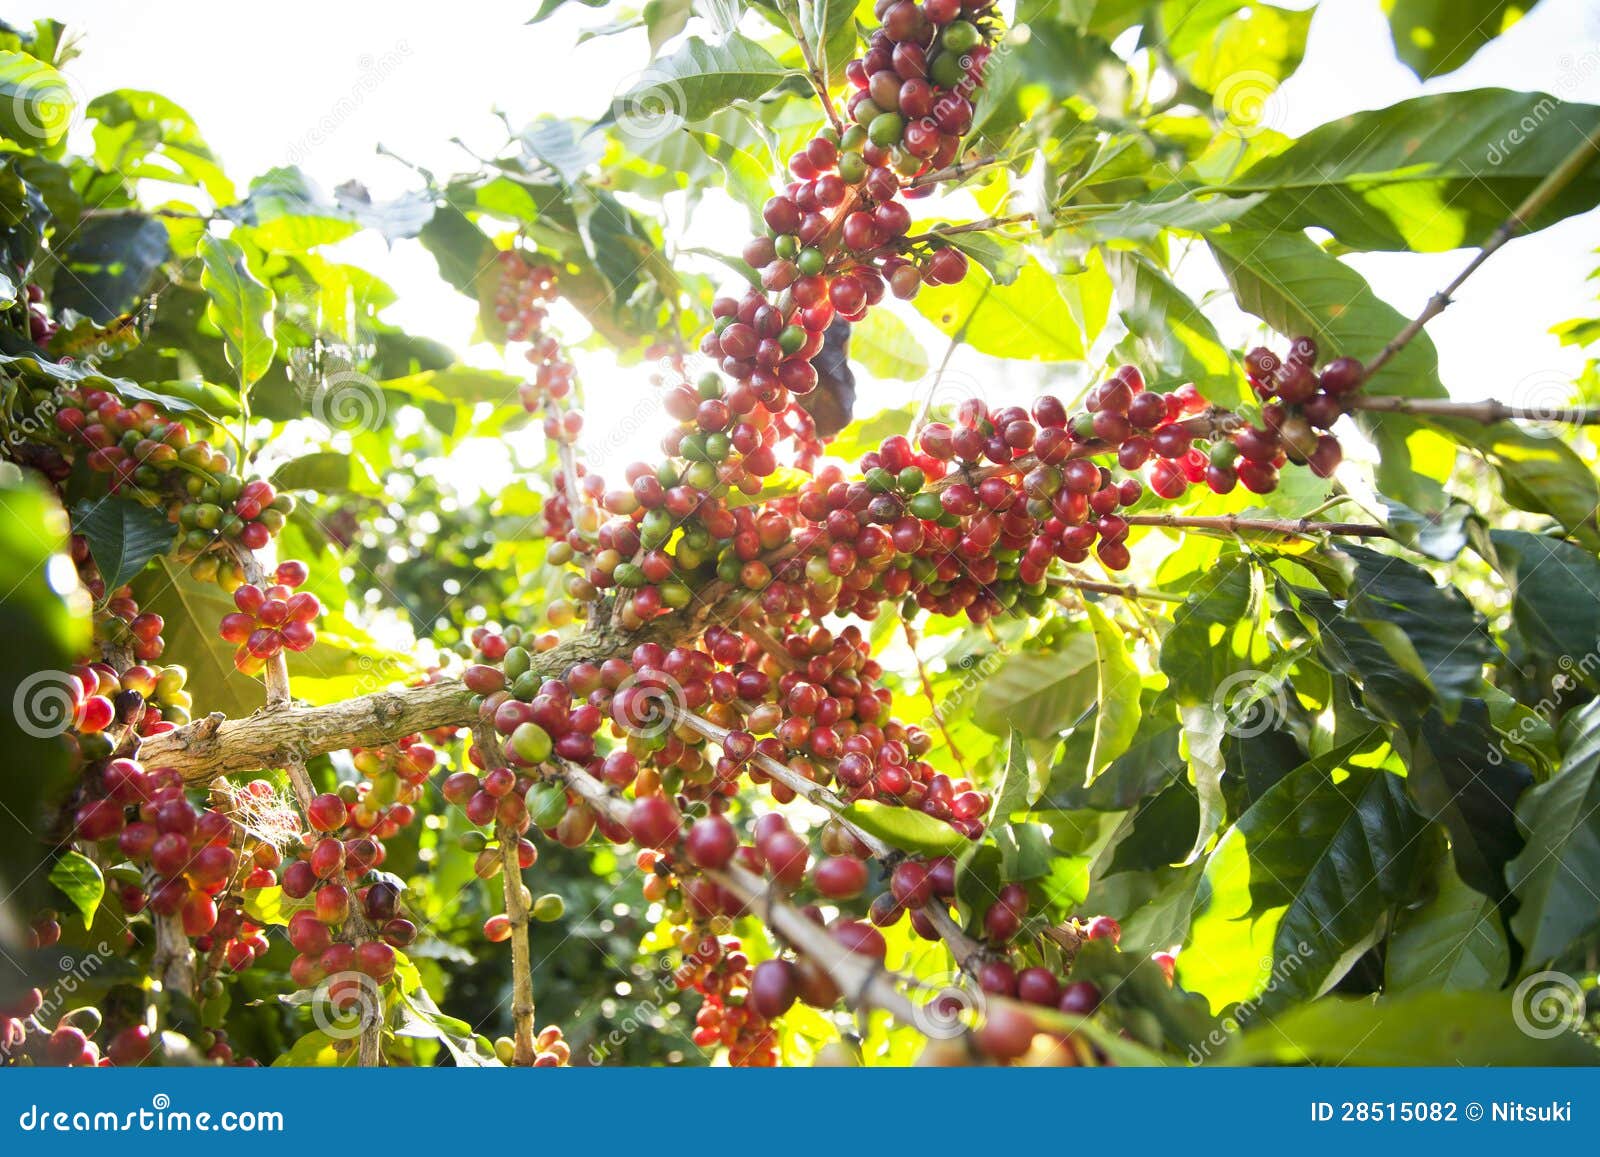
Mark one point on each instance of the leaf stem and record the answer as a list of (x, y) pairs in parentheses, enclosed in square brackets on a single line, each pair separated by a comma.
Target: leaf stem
[(1559, 178)]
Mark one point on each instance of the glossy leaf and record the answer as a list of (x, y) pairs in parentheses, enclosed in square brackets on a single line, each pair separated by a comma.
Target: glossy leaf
[(1552, 877), (1432, 173), (123, 536), (1454, 941), (240, 306), (1433, 37), (1301, 885)]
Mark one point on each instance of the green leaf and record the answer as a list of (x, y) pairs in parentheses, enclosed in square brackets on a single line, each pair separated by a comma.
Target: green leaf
[(1001, 257), (1039, 694), (1203, 726), (907, 829), (1176, 341), (36, 104), (1553, 876), (1428, 174), (1211, 632), (694, 82), (1404, 641), (328, 472), (1454, 941), (79, 879), (123, 536), (1461, 775), (1440, 536), (1117, 718), (664, 19), (1301, 885), (1555, 600), (887, 348), (1028, 319), (107, 263), (1443, 1029), (1224, 45), (269, 906), (1149, 765), (1433, 37), (1293, 285), (240, 306)]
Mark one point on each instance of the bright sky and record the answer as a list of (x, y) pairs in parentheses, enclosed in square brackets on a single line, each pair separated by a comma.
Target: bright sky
[(266, 86)]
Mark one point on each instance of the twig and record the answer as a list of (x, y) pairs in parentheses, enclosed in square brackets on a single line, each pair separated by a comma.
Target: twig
[(1232, 524), (818, 78), (933, 702), (861, 980), (1487, 412), (944, 363), (954, 172), (522, 1006), (1122, 590), (1542, 195)]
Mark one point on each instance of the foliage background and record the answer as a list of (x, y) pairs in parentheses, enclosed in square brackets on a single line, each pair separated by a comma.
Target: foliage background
[(430, 512)]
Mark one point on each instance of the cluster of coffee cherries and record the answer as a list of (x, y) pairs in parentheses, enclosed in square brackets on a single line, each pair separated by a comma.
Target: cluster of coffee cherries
[(728, 1017), (551, 1049), (153, 455), (836, 234), (331, 870), (188, 850), (41, 326), (25, 1041), (272, 620), (100, 698), (1300, 402)]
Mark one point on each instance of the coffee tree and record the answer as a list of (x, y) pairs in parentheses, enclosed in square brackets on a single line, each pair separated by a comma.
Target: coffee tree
[(1215, 705)]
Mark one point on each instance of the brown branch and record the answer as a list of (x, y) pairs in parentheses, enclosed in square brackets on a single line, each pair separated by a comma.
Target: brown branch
[(954, 172), (1121, 590), (1558, 179), (216, 745), (1488, 412), (1232, 524), (522, 1008)]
